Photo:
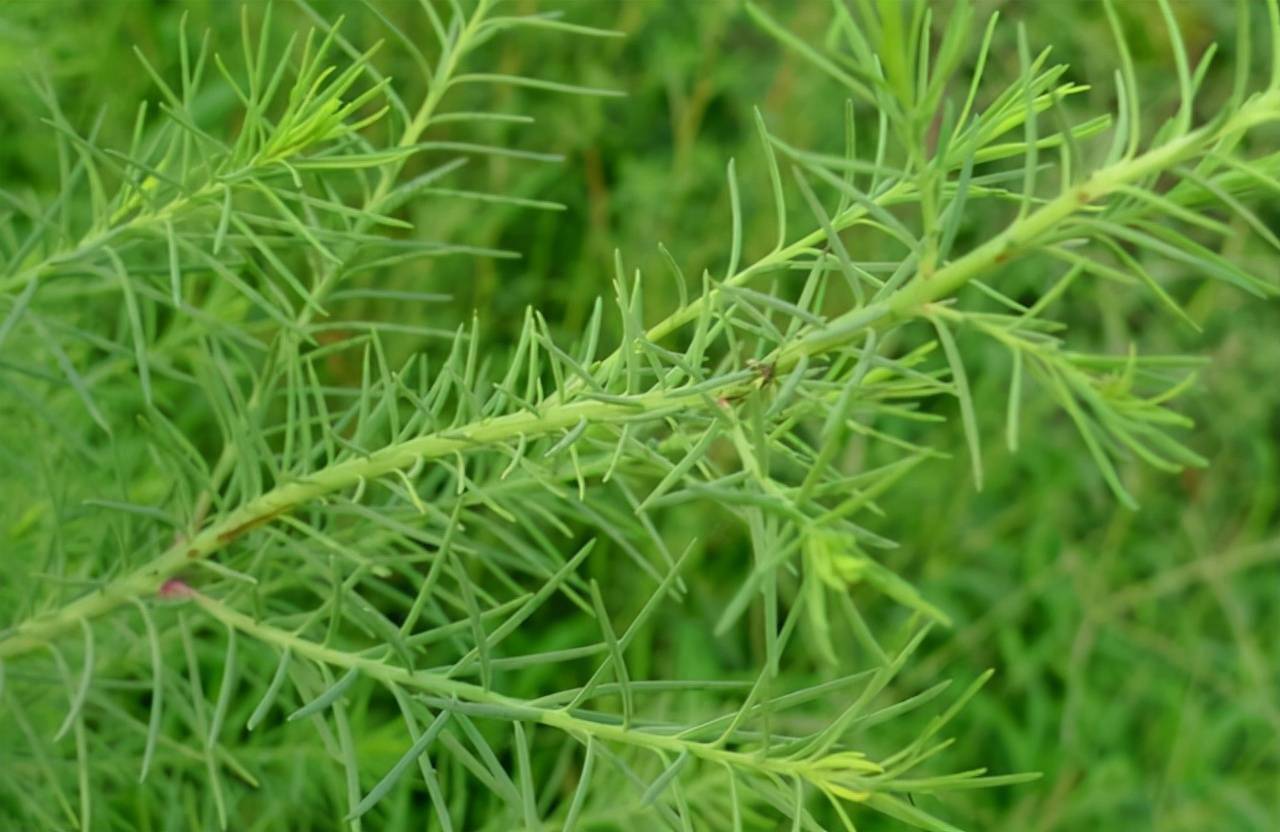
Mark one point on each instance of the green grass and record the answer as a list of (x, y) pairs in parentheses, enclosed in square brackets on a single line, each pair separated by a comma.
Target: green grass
[(473, 503)]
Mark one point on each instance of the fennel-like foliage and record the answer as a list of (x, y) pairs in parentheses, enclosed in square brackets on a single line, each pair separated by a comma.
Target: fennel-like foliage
[(269, 556)]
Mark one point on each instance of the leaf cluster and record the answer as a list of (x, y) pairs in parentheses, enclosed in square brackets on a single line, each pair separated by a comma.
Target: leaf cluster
[(301, 534)]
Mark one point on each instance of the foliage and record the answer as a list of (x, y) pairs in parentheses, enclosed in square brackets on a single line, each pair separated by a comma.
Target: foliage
[(267, 506)]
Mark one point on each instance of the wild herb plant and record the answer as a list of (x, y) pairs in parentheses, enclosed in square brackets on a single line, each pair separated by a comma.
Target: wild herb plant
[(263, 570)]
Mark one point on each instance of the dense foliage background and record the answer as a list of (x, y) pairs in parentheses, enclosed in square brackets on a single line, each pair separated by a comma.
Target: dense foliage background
[(1135, 657)]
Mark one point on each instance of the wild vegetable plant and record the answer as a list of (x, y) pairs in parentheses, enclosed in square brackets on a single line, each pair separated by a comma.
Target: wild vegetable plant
[(266, 567)]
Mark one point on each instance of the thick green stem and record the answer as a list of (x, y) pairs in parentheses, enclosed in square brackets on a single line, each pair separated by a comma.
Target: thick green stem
[(147, 579)]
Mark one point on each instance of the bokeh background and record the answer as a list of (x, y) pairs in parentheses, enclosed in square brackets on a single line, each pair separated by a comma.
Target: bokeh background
[(1137, 658)]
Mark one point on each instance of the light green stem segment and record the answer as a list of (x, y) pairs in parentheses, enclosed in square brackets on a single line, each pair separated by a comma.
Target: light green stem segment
[(213, 191), (446, 688), (412, 133), (148, 579), (555, 415), (1021, 236)]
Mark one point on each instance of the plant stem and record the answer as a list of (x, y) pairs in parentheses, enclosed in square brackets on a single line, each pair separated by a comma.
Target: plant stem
[(439, 685), (373, 206), (213, 190), (147, 579), (1019, 238), (97, 238), (556, 415), (412, 132)]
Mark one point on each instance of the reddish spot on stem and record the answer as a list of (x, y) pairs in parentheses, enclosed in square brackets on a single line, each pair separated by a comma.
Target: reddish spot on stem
[(173, 589)]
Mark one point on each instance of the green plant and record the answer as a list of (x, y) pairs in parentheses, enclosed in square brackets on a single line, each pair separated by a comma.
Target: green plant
[(309, 520)]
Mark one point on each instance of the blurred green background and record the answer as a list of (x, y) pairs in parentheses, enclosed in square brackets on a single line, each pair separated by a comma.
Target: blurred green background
[(1137, 660)]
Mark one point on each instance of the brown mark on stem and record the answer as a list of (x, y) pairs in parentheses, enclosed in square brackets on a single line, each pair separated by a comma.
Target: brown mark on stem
[(249, 525)]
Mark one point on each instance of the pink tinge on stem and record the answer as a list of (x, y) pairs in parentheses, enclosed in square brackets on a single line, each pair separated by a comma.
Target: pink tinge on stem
[(173, 589)]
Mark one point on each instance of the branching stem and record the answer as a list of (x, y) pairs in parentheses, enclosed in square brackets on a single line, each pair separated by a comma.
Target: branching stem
[(558, 413), (441, 686)]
